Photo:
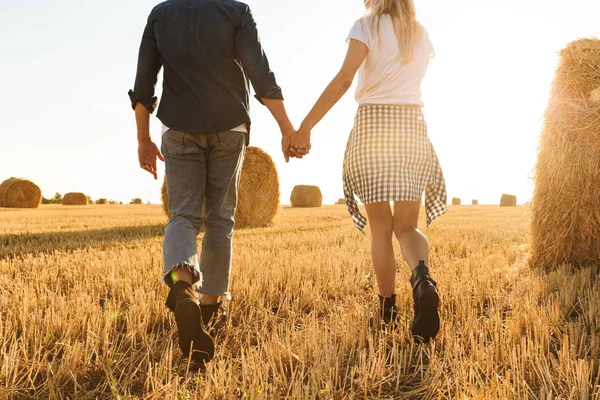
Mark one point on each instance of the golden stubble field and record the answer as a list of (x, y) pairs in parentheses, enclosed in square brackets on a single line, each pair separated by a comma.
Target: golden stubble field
[(82, 314)]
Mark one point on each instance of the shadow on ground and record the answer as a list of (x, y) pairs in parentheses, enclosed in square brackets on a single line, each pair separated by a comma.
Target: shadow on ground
[(13, 246)]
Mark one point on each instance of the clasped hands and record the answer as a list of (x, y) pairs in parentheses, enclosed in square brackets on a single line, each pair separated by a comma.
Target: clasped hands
[(295, 144)]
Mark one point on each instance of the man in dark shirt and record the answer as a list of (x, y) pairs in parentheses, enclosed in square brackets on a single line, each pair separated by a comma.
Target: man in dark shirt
[(209, 49)]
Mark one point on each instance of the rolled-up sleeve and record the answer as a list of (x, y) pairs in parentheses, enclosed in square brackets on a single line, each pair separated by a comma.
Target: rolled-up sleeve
[(149, 64), (254, 60)]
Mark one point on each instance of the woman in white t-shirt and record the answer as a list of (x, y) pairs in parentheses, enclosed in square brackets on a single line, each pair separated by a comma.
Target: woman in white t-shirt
[(389, 156)]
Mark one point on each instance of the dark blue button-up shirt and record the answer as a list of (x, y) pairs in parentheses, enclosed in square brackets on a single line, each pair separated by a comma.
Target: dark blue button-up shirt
[(209, 50)]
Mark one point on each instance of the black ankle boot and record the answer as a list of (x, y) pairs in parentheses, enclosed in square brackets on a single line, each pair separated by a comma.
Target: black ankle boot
[(192, 336), (213, 322), (426, 324), (388, 311)]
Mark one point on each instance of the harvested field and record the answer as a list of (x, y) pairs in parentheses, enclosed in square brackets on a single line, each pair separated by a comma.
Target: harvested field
[(82, 312)]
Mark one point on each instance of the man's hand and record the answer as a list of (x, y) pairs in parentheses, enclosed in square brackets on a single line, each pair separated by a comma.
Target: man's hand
[(299, 143), (292, 152), (285, 147), (147, 154)]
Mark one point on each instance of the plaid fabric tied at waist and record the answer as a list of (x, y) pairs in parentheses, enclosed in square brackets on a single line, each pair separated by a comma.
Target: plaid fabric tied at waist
[(389, 157)]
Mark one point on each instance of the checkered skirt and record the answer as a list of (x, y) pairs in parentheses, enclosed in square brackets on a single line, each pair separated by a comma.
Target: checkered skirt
[(389, 157)]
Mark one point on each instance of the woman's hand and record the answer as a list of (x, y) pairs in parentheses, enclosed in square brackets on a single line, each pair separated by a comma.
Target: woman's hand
[(299, 143)]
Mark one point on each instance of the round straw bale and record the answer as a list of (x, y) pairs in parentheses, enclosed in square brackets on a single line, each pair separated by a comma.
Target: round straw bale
[(20, 193), (75, 199), (595, 95), (306, 196), (456, 201), (475, 203), (564, 213), (258, 193), (164, 196), (341, 201), (508, 200), (137, 201), (102, 201)]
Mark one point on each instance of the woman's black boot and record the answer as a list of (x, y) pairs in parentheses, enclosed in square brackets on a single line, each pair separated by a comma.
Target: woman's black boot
[(426, 324), (388, 311)]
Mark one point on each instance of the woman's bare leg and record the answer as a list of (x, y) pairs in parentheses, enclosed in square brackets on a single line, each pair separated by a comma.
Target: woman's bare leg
[(415, 249), (382, 247), (413, 243)]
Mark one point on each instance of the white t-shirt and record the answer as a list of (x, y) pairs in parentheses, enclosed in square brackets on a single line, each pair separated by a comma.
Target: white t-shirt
[(383, 77)]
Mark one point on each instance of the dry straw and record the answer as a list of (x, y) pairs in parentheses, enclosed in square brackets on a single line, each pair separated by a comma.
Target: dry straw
[(75, 199), (456, 201), (508, 200), (258, 200), (20, 193), (475, 203), (306, 196), (566, 203)]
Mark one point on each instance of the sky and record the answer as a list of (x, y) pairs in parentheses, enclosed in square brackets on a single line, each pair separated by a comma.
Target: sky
[(67, 66)]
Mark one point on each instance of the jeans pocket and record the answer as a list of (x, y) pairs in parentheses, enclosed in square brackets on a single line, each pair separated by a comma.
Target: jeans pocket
[(174, 142), (229, 141)]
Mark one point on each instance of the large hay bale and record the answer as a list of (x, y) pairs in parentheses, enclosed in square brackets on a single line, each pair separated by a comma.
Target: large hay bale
[(341, 201), (20, 193), (456, 201), (475, 203), (102, 201), (75, 199), (306, 196), (137, 201), (508, 200), (258, 197), (566, 201)]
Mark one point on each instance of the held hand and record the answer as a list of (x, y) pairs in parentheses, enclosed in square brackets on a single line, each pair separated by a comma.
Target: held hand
[(285, 144), (299, 144), (147, 154)]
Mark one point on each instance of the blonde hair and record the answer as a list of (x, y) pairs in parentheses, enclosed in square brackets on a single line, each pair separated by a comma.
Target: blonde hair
[(404, 17)]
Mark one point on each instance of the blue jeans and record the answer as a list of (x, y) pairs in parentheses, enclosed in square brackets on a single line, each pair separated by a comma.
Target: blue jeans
[(203, 173)]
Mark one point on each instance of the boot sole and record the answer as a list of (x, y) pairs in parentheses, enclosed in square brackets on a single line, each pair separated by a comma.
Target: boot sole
[(427, 323), (192, 336)]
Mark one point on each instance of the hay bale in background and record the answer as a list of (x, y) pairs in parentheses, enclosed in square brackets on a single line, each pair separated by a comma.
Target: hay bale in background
[(20, 193), (508, 200), (137, 201), (475, 203), (595, 96), (306, 196), (258, 200), (341, 201), (456, 201), (102, 201), (164, 196), (75, 199), (566, 202)]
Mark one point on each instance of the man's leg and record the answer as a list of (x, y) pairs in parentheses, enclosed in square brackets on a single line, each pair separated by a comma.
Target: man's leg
[(224, 165), (186, 181)]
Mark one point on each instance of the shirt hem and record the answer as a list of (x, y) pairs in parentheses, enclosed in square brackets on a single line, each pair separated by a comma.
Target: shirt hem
[(246, 122), (370, 103)]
